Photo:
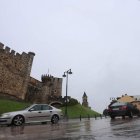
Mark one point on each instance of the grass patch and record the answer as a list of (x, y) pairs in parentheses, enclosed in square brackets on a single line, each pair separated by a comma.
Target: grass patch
[(77, 110), (9, 105)]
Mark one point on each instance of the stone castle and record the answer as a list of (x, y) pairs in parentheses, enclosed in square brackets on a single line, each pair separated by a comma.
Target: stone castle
[(15, 80)]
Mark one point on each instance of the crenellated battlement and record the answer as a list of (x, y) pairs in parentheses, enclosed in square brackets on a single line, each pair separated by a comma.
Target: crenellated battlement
[(12, 52), (1, 45), (8, 50), (50, 78)]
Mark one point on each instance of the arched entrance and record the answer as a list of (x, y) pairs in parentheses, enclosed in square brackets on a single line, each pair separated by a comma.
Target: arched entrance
[(56, 104)]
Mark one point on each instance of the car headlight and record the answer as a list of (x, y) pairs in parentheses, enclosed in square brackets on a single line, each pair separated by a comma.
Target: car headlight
[(5, 115)]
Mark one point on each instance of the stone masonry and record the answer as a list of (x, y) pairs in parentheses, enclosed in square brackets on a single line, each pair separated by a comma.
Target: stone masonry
[(15, 71)]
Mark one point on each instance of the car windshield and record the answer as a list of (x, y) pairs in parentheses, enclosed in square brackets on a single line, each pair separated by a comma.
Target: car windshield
[(27, 107), (118, 104)]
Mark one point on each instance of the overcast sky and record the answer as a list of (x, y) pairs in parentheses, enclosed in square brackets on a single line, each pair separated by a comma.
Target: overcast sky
[(98, 39)]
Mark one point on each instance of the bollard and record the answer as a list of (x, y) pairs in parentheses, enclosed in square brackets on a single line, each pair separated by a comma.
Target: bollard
[(95, 117), (100, 116), (88, 117), (80, 117)]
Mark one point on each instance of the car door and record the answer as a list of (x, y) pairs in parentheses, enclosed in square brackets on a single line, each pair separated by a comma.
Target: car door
[(34, 113), (46, 112)]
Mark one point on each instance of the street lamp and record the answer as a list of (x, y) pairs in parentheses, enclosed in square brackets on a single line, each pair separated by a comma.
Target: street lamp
[(66, 73)]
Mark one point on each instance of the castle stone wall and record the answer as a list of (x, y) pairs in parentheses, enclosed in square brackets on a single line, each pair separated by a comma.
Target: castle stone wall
[(45, 91), (15, 71)]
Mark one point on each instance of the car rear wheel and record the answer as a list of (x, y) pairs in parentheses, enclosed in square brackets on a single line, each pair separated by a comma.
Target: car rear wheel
[(55, 119), (18, 120), (123, 117)]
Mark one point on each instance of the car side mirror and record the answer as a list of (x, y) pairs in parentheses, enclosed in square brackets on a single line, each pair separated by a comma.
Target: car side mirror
[(31, 110)]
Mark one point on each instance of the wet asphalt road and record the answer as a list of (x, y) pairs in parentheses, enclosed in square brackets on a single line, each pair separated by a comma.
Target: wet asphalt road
[(100, 129)]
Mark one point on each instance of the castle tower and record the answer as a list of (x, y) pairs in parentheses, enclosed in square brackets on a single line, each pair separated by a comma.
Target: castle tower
[(85, 102), (46, 87), (51, 87)]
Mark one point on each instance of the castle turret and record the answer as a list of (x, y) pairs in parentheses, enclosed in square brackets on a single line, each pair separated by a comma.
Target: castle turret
[(28, 58), (51, 86)]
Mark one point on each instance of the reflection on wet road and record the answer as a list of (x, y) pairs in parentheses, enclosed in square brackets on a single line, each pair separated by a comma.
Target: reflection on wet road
[(100, 129)]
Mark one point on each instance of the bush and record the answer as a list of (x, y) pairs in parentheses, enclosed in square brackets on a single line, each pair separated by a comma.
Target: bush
[(71, 102)]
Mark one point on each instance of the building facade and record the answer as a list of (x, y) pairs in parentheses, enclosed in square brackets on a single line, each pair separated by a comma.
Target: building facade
[(135, 100), (126, 98)]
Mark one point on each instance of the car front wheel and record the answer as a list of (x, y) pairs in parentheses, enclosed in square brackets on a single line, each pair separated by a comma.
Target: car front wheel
[(112, 117), (54, 119), (18, 120)]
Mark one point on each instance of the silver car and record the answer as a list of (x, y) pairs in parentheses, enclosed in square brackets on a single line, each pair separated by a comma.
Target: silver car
[(34, 113)]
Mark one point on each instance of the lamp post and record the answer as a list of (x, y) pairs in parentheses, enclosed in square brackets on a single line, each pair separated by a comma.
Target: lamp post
[(66, 73)]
